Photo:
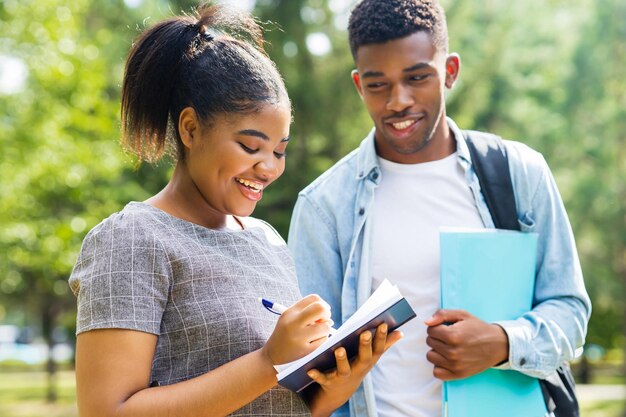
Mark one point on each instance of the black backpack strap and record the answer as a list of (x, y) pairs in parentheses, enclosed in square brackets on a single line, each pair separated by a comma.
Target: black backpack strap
[(491, 165)]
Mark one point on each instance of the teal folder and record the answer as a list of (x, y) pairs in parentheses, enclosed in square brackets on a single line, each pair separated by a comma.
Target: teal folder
[(491, 274)]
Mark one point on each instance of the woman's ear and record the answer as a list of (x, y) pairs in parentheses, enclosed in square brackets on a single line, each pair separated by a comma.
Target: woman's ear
[(188, 126), (453, 67)]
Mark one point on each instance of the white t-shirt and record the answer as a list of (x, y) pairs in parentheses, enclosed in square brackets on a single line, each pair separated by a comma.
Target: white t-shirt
[(411, 203)]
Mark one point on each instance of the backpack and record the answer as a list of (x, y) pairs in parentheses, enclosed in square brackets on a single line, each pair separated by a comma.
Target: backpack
[(491, 165)]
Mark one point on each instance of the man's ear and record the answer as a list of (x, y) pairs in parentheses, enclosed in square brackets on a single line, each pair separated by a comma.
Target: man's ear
[(453, 67), (188, 126), (356, 79)]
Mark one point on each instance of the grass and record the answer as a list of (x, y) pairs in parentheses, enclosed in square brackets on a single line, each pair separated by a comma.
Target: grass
[(22, 394), (603, 409)]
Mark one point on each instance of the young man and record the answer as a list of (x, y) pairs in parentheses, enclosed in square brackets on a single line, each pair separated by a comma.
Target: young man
[(376, 214)]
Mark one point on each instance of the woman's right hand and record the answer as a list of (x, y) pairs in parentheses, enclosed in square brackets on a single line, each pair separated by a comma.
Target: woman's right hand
[(300, 329)]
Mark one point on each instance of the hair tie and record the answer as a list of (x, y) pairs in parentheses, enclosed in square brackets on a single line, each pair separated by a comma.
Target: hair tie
[(201, 31)]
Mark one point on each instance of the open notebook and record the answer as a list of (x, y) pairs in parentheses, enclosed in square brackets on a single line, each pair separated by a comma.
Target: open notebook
[(386, 304)]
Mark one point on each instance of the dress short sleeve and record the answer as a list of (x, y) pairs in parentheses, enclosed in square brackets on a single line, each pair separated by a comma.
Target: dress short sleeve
[(121, 278)]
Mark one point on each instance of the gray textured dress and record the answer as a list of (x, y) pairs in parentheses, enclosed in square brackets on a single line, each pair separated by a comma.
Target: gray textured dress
[(193, 287)]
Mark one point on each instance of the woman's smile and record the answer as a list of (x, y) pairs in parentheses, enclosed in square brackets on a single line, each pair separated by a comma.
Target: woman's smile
[(250, 189)]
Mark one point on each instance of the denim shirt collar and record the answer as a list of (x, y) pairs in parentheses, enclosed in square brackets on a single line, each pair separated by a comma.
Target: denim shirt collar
[(461, 146), (367, 162)]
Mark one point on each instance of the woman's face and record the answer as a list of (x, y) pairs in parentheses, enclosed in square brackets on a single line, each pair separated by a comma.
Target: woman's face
[(233, 159)]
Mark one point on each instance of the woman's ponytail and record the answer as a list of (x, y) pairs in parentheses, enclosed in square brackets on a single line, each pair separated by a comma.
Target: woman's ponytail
[(149, 83)]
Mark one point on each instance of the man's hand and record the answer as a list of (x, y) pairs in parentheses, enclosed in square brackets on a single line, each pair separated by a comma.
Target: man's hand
[(463, 345)]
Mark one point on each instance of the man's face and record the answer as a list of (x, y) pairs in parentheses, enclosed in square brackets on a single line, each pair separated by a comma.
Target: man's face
[(402, 85)]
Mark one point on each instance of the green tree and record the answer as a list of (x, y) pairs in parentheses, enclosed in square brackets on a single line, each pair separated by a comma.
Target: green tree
[(595, 103), (64, 171)]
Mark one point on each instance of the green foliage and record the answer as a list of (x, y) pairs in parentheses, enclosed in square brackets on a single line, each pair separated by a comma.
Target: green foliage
[(59, 144), (596, 103)]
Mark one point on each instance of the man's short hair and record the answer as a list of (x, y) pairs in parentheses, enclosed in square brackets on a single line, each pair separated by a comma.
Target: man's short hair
[(379, 21)]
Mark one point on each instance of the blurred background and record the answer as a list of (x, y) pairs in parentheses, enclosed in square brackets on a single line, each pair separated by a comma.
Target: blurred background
[(550, 73)]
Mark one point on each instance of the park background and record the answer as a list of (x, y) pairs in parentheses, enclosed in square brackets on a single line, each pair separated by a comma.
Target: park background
[(550, 73)]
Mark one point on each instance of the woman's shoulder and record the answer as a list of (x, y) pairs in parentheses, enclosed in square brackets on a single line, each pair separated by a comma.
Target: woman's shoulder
[(272, 235), (135, 225), (121, 264)]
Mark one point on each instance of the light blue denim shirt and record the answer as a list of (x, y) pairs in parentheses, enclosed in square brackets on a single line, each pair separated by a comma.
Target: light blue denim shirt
[(330, 239)]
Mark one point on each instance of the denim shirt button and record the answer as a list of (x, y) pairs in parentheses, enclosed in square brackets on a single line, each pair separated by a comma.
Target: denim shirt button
[(361, 211), (522, 362), (375, 176)]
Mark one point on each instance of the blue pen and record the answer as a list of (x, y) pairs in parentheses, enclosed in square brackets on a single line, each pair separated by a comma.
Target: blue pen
[(279, 309), (272, 306)]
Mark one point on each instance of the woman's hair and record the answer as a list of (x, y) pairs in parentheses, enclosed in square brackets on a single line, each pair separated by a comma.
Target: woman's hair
[(213, 62)]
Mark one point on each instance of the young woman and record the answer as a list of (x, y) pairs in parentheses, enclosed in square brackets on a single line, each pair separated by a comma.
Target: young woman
[(168, 318)]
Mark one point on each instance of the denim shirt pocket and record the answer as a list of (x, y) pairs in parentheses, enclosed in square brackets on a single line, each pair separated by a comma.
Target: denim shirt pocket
[(527, 223)]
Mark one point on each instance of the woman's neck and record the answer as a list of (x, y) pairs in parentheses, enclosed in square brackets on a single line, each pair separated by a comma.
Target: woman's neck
[(181, 198)]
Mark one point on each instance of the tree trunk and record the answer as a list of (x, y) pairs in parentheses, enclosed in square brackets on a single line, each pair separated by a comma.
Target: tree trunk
[(49, 315), (584, 370)]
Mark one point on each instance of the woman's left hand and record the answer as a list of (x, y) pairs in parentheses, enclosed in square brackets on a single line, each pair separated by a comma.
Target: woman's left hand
[(335, 387)]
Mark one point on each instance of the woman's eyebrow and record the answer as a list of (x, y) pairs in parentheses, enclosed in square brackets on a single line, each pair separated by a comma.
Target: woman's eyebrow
[(255, 133), (259, 134)]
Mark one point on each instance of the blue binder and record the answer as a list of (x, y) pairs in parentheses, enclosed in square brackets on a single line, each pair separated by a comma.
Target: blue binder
[(491, 274)]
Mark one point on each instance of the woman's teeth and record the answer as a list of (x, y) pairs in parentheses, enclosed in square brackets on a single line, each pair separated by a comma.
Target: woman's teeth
[(254, 186)]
